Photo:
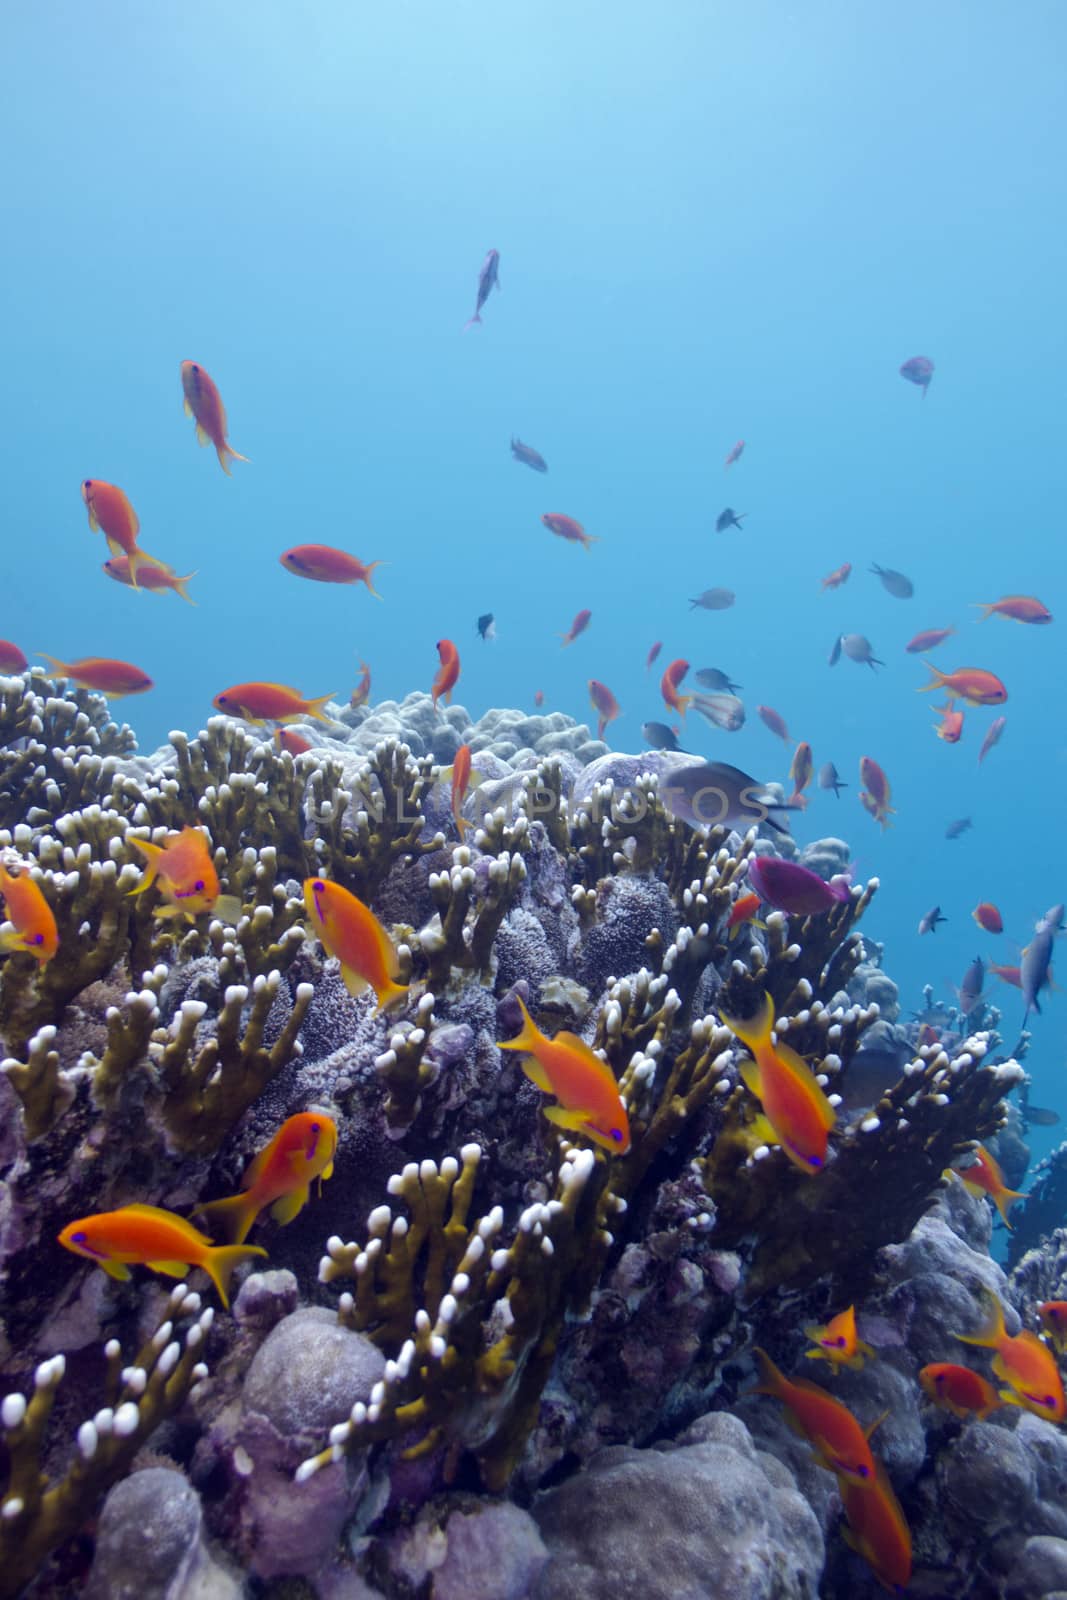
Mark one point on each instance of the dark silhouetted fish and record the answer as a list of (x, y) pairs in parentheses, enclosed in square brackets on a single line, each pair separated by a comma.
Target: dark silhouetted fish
[(828, 778), (659, 736), (971, 986), (1034, 965), (918, 369), (712, 678), (960, 825), (486, 626), (870, 1074), (857, 648), (894, 583), (729, 519), (714, 600), (528, 456), (835, 651), (713, 792), (931, 921)]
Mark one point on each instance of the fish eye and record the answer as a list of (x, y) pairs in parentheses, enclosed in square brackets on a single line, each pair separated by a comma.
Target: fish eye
[(864, 1472), (194, 367), (38, 938), (616, 1134), (839, 1344), (318, 887), (316, 1127), (77, 1238), (198, 886)]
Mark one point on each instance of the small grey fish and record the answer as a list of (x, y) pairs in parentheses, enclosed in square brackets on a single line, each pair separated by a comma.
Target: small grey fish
[(960, 825), (857, 648), (971, 987), (929, 923), (828, 779), (724, 710), (1053, 919), (870, 1074), (1039, 1116), (729, 519), (895, 583), (712, 792), (712, 678), (528, 456), (487, 625), (835, 653), (1034, 967), (659, 736), (714, 600)]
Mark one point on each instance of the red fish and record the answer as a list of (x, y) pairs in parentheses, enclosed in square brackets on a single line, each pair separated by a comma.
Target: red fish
[(877, 1530), (361, 693), (579, 625), (604, 704), (876, 793), (291, 742), (460, 774), (25, 907), (797, 890), (838, 1342), (800, 771), (270, 702), (326, 565), (566, 528), (840, 575), (918, 369), (985, 1177), (584, 1086), (988, 917), (653, 653), (796, 1112), (1026, 1365), (829, 1427), (973, 684), (773, 720), (1019, 607), (743, 910), (950, 728), (539, 697), (110, 511), (349, 930), (929, 639), (12, 658), (735, 454), (1012, 975), (959, 1390), (146, 1236), (447, 673), (113, 678), (204, 403), (280, 1177), (488, 280), (996, 728), (153, 576), (668, 688)]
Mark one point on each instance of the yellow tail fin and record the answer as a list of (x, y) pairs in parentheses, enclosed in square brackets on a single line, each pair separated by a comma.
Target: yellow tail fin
[(231, 1219), (316, 708), (220, 1262), (152, 853), (528, 1038), (992, 1331)]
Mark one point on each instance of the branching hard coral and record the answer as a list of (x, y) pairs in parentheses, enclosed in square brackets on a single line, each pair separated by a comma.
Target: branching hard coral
[(404, 1068), (470, 909), (38, 1511), (57, 752), (45, 1090), (130, 1029), (386, 826)]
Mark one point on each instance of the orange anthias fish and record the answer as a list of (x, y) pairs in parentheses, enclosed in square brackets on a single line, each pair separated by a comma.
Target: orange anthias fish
[(1026, 1365), (1012, 975), (876, 793), (959, 1390), (744, 910), (25, 907), (876, 1528), (585, 1086), (326, 565), (447, 673), (839, 576), (800, 771), (12, 658), (111, 512), (838, 1342), (668, 688), (929, 639), (203, 402), (154, 576), (361, 693), (604, 704), (270, 702), (985, 1177), (184, 870), (829, 1427), (1019, 607), (350, 931), (950, 728), (113, 678), (146, 1236), (291, 742), (461, 776), (988, 917), (280, 1177), (774, 720), (1053, 1314), (972, 684), (796, 1112), (579, 625), (566, 528)]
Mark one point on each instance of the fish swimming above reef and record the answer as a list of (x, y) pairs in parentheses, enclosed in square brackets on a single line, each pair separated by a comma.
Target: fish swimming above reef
[(860, 649), (713, 600), (659, 736), (564, 1066), (893, 582), (724, 711), (960, 826), (729, 518), (1035, 965), (604, 704), (838, 1342), (1017, 607), (835, 651), (774, 721), (918, 370), (653, 652), (579, 625), (486, 626), (33, 924), (973, 684), (959, 1390), (928, 639), (790, 887), (460, 777), (488, 280), (528, 456), (12, 659), (447, 674), (349, 930), (996, 728), (668, 687), (361, 693), (839, 1443), (110, 511), (713, 793), (950, 728), (291, 742), (183, 869), (270, 702), (567, 528), (203, 402), (971, 986), (106, 676), (876, 1528), (829, 779), (840, 575), (983, 1176), (324, 564), (713, 678), (931, 921), (147, 1236), (875, 794), (988, 917), (1027, 1366), (735, 453), (801, 771), (155, 577), (280, 1177)]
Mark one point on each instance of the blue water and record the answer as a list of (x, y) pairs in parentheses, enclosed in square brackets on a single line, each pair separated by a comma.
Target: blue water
[(732, 222)]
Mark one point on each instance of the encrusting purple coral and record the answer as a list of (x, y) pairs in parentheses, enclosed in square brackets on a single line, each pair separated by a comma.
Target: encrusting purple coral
[(520, 1352)]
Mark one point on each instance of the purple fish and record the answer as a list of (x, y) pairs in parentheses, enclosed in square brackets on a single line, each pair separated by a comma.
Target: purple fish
[(790, 887), (996, 728), (918, 369), (971, 986), (488, 280)]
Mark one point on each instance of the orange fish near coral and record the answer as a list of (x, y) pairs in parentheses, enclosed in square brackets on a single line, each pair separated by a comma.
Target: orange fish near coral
[(579, 625), (1018, 607), (25, 907), (461, 777), (950, 728), (361, 693), (829, 1427), (146, 1236), (876, 1528), (985, 1177), (12, 658), (774, 720), (840, 575), (324, 564), (110, 511), (959, 1390), (796, 1112), (743, 910), (184, 870), (1012, 975), (113, 678), (447, 673), (204, 403), (838, 1342), (294, 744), (800, 771), (876, 793), (270, 702), (1053, 1314), (1026, 1365), (151, 575), (350, 931), (280, 1177), (566, 528), (973, 684), (585, 1086), (668, 688), (604, 704), (988, 917)]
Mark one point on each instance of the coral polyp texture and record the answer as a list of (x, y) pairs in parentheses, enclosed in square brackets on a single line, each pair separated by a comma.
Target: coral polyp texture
[(501, 1296)]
